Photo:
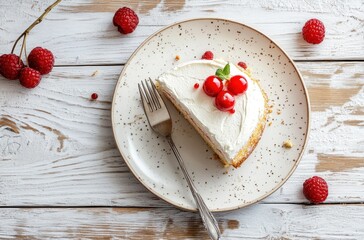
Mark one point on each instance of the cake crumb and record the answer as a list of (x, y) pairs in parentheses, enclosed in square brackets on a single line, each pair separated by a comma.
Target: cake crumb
[(95, 73), (287, 144), (177, 58), (282, 122), (270, 124), (278, 111), (270, 110)]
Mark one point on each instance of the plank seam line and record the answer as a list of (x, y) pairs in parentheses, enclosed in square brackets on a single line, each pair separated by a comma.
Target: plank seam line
[(360, 203), (297, 61)]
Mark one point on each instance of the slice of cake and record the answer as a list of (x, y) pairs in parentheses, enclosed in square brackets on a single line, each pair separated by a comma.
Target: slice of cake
[(225, 105)]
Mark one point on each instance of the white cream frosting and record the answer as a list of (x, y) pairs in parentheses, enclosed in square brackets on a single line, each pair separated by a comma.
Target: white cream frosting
[(229, 132)]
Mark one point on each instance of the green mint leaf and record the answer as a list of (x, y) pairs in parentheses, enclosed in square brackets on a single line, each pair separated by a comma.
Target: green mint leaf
[(219, 72), (223, 77), (226, 70), (223, 74)]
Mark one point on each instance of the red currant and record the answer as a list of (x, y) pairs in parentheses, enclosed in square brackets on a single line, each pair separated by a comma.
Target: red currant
[(225, 101), (196, 85), (94, 96), (212, 86), (208, 55), (243, 65), (237, 85)]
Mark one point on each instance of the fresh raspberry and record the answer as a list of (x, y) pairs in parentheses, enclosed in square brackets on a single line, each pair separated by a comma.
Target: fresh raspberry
[(315, 189), (126, 20), (208, 55), (41, 59), (243, 65), (10, 66), (29, 77), (313, 31)]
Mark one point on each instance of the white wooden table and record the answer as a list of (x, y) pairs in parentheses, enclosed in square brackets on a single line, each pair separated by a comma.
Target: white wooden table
[(61, 175)]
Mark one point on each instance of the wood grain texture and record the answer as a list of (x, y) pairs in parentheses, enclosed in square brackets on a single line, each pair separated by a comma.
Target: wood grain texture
[(81, 32), (256, 222), (57, 147)]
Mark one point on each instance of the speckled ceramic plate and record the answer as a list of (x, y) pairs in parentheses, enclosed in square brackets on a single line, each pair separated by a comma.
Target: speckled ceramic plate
[(149, 156)]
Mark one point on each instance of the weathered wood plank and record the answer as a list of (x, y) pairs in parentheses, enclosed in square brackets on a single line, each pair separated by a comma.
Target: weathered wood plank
[(57, 147), (81, 32), (263, 221)]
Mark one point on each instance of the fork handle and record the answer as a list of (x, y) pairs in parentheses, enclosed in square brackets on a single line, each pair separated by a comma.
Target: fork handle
[(208, 219)]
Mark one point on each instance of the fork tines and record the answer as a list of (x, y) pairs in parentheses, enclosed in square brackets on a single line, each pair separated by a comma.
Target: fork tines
[(149, 94)]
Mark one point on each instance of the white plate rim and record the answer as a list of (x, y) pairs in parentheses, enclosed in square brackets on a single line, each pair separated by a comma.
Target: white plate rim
[(241, 205)]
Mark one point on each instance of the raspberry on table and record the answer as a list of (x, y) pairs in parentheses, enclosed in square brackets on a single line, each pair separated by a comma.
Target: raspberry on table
[(126, 20), (313, 31), (208, 55), (29, 77), (41, 59), (315, 189), (10, 66)]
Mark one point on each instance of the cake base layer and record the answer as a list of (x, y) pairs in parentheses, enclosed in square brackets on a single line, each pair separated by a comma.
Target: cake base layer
[(245, 151)]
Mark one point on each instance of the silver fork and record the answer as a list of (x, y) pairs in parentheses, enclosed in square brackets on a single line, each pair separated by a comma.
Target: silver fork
[(160, 121)]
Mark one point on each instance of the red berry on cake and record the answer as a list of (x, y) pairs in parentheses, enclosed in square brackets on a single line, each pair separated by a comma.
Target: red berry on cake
[(208, 55), (237, 85), (196, 86), (212, 86), (126, 20), (29, 77), (41, 59), (313, 31), (243, 65), (225, 101), (10, 66), (94, 96), (315, 189)]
